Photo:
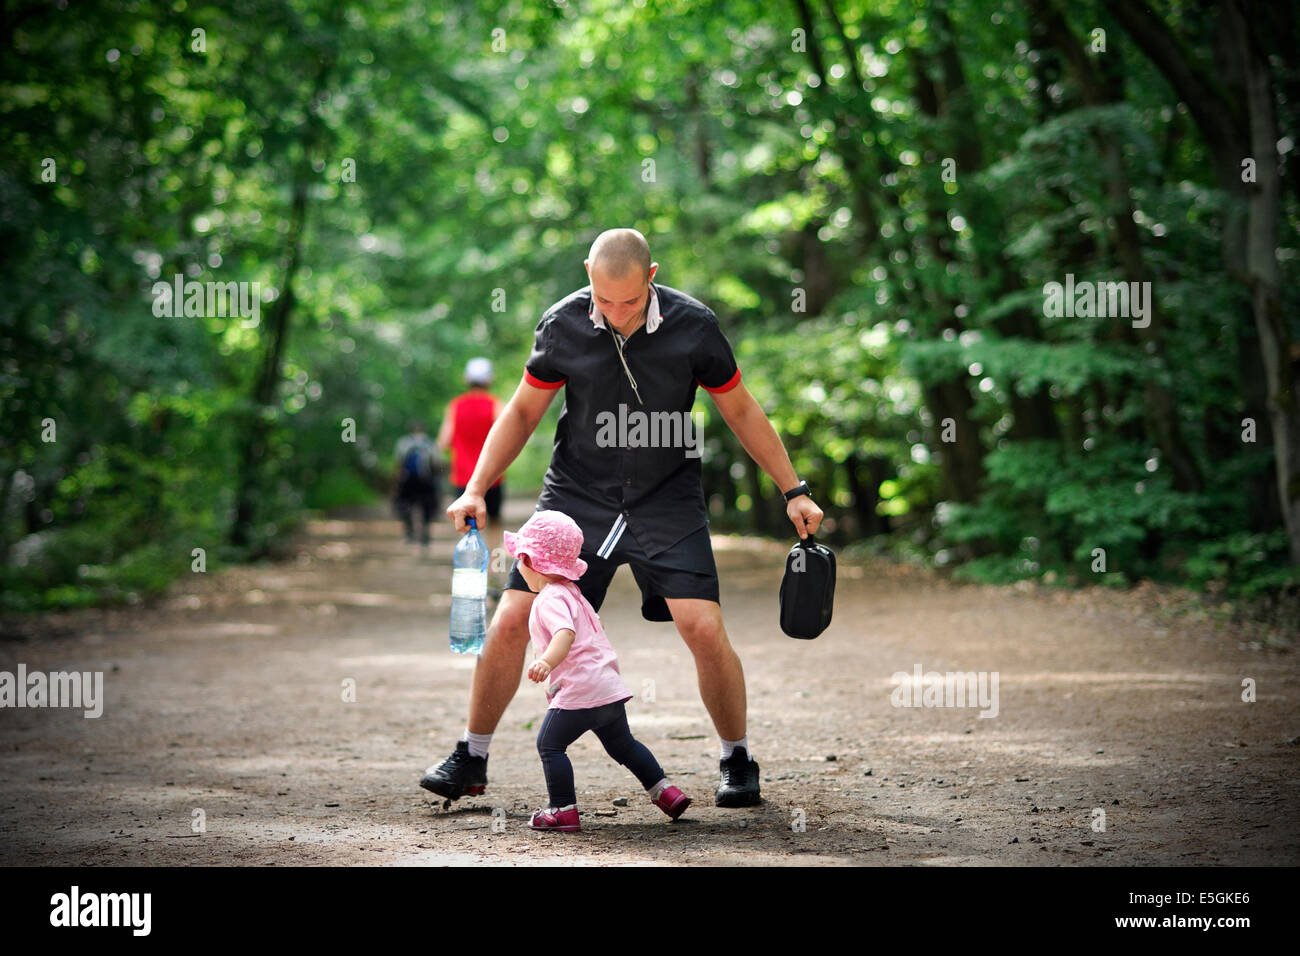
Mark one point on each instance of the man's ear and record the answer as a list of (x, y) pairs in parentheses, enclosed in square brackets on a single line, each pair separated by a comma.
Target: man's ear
[(586, 264), (654, 267)]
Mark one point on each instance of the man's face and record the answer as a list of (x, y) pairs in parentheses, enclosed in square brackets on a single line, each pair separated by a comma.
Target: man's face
[(622, 300)]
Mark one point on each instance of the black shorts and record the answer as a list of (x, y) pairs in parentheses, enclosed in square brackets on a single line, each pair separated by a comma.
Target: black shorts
[(492, 499), (686, 570)]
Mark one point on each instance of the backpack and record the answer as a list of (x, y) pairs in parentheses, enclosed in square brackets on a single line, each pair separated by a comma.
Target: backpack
[(422, 463)]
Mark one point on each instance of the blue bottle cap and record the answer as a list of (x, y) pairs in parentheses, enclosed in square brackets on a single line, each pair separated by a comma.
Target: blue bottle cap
[(472, 523)]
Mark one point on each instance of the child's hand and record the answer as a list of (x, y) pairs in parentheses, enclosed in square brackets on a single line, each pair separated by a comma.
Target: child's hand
[(538, 672)]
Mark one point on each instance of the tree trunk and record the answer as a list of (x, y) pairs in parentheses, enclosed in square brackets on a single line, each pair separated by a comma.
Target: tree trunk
[(1250, 244), (867, 496), (961, 460), (848, 143), (1263, 274), (1033, 416), (1161, 410), (6, 484), (268, 379), (961, 463), (703, 159)]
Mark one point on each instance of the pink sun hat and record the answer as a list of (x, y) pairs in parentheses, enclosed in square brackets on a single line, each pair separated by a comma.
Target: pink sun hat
[(552, 540)]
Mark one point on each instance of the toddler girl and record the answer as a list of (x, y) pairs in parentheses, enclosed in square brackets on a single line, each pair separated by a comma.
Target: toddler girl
[(585, 690)]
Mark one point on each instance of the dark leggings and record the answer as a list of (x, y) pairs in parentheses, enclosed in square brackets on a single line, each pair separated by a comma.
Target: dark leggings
[(410, 498), (560, 728)]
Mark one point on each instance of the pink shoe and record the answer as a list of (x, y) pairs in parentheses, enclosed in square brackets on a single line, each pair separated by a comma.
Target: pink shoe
[(565, 821), (673, 802)]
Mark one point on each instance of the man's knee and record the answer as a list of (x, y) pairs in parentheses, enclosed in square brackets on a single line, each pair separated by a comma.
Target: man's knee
[(509, 625), (700, 625)]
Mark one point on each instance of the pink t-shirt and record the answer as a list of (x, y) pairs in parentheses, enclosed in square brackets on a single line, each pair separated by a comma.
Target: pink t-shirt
[(588, 676)]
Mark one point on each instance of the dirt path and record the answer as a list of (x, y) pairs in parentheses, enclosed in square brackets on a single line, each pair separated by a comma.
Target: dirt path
[(227, 699)]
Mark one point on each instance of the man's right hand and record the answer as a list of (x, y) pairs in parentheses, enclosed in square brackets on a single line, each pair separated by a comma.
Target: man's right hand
[(468, 506)]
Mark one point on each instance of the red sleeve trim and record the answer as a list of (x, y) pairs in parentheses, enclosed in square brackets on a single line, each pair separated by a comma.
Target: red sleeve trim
[(536, 382), (725, 387)]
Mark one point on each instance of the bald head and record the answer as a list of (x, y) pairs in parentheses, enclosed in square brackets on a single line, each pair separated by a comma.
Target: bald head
[(620, 252), (620, 271)]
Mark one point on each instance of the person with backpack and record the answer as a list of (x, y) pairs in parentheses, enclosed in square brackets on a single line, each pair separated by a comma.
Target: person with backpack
[(419, 467)]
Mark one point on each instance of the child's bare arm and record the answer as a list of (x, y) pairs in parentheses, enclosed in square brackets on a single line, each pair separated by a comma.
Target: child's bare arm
[(558, 649), (556, 652)]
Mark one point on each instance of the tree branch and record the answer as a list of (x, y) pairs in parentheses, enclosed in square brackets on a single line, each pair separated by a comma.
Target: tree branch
[(1219, 118)]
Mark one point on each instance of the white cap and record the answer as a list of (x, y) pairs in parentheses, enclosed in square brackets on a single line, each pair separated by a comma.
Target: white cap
[(478, 371)]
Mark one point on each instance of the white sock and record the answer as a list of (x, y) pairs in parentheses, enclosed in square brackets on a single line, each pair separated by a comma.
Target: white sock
[(728, 746), (657, 789), (478, 743)]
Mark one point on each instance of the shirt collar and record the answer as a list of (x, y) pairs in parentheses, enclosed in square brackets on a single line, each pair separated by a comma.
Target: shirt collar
[(652, 318)]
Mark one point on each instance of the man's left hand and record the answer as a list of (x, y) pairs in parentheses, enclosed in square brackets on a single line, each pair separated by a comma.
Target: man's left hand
[(805, 515)]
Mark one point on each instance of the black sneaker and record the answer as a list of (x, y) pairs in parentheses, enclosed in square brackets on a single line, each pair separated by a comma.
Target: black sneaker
[(458, 775), (739, 787)]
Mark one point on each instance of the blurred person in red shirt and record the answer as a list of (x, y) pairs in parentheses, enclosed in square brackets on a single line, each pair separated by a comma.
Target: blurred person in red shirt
[(464, 429)]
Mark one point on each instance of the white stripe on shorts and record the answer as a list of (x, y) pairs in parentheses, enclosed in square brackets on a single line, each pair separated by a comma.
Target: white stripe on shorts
[(611, 539)]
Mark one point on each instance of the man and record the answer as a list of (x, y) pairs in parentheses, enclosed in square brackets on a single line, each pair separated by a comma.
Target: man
[(415, 480), (625, 345)]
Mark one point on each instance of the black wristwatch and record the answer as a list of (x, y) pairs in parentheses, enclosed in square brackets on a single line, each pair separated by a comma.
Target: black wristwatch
[(797, 490)]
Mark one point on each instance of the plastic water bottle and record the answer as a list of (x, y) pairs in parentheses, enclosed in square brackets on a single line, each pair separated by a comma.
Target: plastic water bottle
[(469, 576)]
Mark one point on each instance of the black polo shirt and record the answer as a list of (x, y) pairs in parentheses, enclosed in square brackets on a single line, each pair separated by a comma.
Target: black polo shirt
[(605, 473)]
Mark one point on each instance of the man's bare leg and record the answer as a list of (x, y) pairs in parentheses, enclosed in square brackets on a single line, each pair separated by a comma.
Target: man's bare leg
[(717, 666), (722, 688), (496, 678), (500, 666)]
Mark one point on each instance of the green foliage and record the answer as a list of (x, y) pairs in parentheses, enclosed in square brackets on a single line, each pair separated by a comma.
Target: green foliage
[(1045, 512), (1244, 564), (338, 488), (451, 164)]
